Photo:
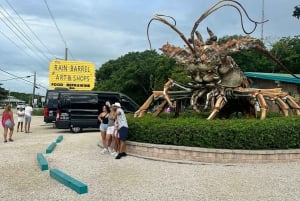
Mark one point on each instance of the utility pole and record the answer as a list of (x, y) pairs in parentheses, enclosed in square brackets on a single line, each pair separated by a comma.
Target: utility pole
[(33, 90), (262, 19), (66, 53)]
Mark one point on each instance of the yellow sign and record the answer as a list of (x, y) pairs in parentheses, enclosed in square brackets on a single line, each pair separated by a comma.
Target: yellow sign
[(74, 75)]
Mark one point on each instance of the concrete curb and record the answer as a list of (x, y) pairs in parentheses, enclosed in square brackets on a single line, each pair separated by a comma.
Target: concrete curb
[(59, 139), (51, 148), (206, 155), (68, 181), (42, 161)]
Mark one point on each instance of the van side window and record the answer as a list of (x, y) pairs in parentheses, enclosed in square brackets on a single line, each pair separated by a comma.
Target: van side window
[(84, 101), (64, 101), (105, 99), (128, 105)]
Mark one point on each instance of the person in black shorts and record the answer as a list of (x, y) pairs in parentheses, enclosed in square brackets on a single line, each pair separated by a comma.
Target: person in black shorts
[(122, 130)]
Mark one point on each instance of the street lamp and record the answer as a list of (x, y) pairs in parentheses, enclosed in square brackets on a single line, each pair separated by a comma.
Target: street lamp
[(34, 83), (28, 76)]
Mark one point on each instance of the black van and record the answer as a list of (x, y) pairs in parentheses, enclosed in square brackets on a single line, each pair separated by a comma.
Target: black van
[(79, 109), (50, 105)]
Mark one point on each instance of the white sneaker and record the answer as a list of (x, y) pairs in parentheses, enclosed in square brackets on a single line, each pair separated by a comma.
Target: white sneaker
[(104, 151), (110, 150)]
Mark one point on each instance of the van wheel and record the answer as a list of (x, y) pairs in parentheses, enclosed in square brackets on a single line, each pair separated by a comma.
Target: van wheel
[(76, 129)]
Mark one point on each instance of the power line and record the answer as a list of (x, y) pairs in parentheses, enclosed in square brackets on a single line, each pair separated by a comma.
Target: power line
[(71, 54), (41, 82), (43, 44), (17, 77), (53, 19), (13, 42), (21, 31), (18, 36), (14, 78), (22, 78), (58, 30)]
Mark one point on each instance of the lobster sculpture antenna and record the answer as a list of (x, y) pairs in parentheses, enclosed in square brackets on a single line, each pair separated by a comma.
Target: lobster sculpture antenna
[(219, 5), (217, 79), (215, 7), (161, 18)]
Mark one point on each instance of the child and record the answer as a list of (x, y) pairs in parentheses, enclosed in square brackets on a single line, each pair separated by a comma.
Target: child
[(21, 115)]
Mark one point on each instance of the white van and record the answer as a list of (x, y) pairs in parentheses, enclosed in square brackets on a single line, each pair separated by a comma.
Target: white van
[(21, 105)]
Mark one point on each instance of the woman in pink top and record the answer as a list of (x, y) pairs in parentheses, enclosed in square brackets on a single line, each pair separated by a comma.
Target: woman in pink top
[(8, 123)]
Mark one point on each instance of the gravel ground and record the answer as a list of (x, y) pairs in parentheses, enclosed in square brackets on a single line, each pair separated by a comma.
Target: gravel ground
[(131, 178)]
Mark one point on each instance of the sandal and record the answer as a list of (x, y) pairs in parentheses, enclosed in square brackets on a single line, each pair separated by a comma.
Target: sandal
[(11, 140), (5, 141)]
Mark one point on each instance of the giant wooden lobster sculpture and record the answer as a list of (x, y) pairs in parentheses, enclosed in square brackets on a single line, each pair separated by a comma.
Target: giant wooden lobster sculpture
[(215, 75)]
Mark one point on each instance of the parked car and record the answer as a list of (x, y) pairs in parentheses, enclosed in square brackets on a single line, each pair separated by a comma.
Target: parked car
[(77, 110), (21, 105), (50, 105)]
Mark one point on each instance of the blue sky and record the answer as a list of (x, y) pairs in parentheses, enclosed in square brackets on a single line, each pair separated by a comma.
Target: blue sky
[(98, 31)]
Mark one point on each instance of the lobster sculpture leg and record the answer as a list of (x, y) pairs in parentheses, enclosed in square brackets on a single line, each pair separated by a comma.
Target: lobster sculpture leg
[(163, 95), (155, 95)]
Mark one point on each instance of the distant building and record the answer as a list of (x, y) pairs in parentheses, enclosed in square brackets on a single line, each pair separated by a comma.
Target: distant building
[(287, 82), (11, 100)]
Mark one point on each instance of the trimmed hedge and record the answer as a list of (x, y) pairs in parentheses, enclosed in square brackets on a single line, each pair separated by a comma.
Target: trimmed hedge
[(195, 131)]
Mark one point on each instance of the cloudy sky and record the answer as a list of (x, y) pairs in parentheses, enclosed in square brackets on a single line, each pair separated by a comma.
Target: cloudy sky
[(98, 31)]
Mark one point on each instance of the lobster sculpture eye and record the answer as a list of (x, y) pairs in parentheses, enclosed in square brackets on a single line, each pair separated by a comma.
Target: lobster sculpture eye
[(216, 79)]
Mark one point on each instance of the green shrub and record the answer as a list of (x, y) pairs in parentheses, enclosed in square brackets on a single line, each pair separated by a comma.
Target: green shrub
[(195, 131)]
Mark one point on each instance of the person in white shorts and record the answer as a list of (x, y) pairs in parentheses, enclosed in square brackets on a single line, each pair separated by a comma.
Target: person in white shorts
[(28, 111), (103, 119), (20, 114), (109, 133)]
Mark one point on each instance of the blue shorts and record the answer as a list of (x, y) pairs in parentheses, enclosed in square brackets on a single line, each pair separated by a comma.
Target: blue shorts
[(123, 133), (9, 124), (103, 127), (27, 119)]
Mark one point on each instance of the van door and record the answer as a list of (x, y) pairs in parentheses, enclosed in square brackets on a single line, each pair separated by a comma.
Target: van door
[(83, 110)]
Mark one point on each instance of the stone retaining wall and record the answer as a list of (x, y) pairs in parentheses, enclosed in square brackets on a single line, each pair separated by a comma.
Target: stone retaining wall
[(195, 154)]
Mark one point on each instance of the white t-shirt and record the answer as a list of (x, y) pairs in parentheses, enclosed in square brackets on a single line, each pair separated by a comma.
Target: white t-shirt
[(20, 115), (121, 118), (28, 111)]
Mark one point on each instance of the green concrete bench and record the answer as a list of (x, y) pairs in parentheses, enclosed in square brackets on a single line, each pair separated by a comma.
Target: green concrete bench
[(68, 181), (59, 139), (51, 147), (42, 161)]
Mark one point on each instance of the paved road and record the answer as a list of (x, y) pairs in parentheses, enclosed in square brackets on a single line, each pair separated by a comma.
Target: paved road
[(131, 178)]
